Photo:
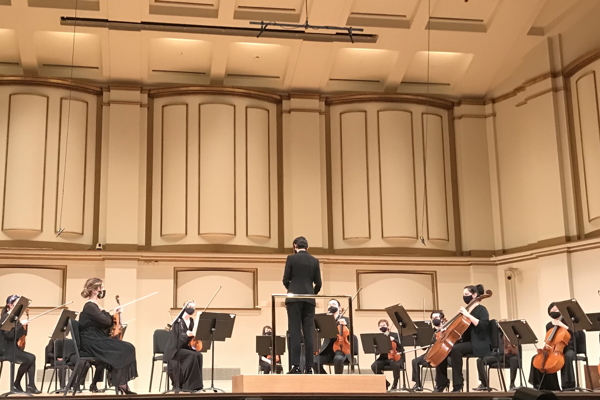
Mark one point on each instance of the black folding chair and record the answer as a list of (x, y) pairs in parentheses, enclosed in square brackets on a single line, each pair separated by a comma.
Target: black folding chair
[(62, 350), (159, 343)]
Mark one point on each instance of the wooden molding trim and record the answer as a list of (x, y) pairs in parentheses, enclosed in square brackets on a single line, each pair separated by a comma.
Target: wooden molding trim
[(390, 98), (121, 247), (470, 102), (51, 82), (525, 85), (214, 90), (581, 62), (39, 245), (539, 245)]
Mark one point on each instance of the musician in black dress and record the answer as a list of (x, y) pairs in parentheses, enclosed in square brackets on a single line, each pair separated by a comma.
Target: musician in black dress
[(383, 359), (437, 320), (179, 354), (475, 341), (7, 348), (567, 373), (264, 361), (326, 353), (94, 325)]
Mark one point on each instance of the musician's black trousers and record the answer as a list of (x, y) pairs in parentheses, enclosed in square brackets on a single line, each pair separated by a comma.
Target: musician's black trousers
[(456, 361), (301, 314)]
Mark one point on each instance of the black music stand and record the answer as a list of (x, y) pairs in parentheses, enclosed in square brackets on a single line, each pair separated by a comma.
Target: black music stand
[(405, 326), (60, 332), (264, 345), (518, 332), (424, 337), (375, 343), (577, 320), (214, 327), (9, 323), (326, 328)]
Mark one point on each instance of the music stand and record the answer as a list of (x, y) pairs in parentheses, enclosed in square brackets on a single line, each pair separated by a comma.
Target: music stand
[(595, 320), (264, 345), (326, 328), (405, 326), (214, 326), (518, 332), (424, 337), (577, 320), (7, 325), (375, 343), (60, 332)]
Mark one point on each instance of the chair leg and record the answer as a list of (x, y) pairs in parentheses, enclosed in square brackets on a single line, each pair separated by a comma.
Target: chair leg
[(467, 381), (151, 375), (588, 372), (49, 382)]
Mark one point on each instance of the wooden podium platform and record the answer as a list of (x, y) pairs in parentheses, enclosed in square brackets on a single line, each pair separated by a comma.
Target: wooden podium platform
[(298, 383)]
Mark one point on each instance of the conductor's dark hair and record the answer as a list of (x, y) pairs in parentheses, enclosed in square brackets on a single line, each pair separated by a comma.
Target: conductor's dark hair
[(437, 312), (301, 242), (476, 289)]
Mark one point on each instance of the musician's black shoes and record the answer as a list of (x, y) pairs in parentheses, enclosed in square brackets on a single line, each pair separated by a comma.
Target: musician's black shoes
[(18, 387), (308, 370), (417, 388), (295, 370), (481, 388), (32, 389), (94, 388), (440, 389), (512, 387), (457, 389)]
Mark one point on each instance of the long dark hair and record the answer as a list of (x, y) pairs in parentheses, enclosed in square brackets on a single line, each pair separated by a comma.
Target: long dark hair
[(9, 300)]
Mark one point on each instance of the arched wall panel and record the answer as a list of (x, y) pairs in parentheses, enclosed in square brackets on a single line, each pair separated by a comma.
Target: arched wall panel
[(258, 173)]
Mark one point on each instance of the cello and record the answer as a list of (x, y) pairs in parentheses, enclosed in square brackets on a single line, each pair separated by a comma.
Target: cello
[(451, 332), (550, 359)]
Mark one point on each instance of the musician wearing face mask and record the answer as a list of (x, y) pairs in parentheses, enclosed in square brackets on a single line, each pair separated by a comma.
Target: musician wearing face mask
[(94, 324), (549, 381), (26, 359), (326, 352), (437, 320), (264, 361), (383, 360), (180, 354)]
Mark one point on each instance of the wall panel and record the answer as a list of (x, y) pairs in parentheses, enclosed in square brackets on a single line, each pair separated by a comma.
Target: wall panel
[(435, 177), (24, 177), (258, 176), (217, 197), (589, 131), (72, 166), (397, 174), (174, 170), (356, 218)]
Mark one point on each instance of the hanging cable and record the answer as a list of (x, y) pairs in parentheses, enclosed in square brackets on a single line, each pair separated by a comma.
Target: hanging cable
[(426, 127), (62, 195)]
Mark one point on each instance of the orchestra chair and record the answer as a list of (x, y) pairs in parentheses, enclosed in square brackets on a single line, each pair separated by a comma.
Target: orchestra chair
[(492, 327), (356, 361), (160, 337), (57, 365), (3, 360), (81, 360), (583, 357), (423, 375), (499, 364)]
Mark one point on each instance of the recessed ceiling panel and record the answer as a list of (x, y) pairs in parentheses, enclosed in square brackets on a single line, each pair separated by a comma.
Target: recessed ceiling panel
[(474, 10), (257, 61), (180, 56), (9, 47), (65, 54), (382, 13), (444, 68), (363, 65), (186, 8), (553, 12), (269, 10)]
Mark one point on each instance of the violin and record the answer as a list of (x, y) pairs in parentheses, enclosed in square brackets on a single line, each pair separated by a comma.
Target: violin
[(394, 355), (116, 331), (342, 342), (277, 360), (195, 344), (550, 359), (23, 339), (451, 333)]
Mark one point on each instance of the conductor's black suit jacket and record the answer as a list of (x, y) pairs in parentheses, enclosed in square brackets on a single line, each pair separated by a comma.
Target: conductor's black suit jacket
[(302, 275)]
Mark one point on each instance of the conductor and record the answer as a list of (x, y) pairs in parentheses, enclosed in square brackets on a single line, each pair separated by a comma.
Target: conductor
[(302, 275)]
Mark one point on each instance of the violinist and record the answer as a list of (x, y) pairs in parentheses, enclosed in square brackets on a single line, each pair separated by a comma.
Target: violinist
[(327, 353), (475, 341), (264, 361), (437, 319), (94, 324), (549, 381), (383, 360), (27, 360), (179, 349)]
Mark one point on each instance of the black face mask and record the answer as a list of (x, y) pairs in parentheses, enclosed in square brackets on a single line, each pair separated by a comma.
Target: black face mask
[(332, 309), (189, 310), (467, 299), (436, 322), (101, 294), (383, 329), (554, 314), (268, 332)]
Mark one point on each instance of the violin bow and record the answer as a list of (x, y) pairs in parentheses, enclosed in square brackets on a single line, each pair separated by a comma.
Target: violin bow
[(353, 297), (49, 311), (134, 301)]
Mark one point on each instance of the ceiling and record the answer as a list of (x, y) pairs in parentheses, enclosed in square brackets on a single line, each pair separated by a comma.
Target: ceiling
[(466, 44)]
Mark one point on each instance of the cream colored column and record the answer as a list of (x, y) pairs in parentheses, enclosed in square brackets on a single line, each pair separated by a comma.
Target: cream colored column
[(123, 172), (304, 172), (494, 178)]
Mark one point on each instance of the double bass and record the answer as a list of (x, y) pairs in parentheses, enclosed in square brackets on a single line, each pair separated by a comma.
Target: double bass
[(451, 332), (550, 359)]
